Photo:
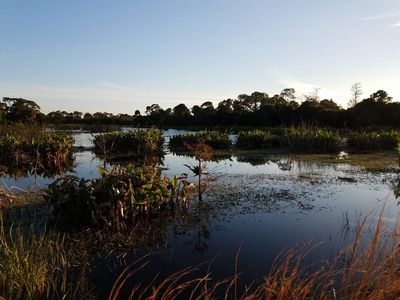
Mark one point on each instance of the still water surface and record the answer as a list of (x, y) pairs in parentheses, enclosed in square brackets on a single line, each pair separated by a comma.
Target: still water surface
[(258, 208)]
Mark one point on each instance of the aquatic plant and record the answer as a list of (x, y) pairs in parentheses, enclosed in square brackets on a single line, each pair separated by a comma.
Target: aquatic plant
[(39, 267), (215, 139), (257, 139), (384, 140), (201, 152), (312, 139), (45, 152), (134, 141), (119, 194)]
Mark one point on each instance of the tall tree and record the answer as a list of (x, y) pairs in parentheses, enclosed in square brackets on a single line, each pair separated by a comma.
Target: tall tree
[(288, 94), (381, 96), (356, 92), (21, 110)]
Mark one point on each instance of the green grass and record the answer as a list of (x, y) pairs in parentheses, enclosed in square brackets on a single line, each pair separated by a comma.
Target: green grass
[(215, 139), (308, 139), (39, 267), (257, 139), (148, 141), (366, 141)]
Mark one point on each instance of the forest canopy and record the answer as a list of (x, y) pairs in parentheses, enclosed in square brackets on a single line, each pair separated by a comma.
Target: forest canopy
[(258, 110)]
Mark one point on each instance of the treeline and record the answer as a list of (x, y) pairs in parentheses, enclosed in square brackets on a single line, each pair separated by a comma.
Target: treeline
[(257, 110)]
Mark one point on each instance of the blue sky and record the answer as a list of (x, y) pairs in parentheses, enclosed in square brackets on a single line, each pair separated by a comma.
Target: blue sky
[(119, 56)]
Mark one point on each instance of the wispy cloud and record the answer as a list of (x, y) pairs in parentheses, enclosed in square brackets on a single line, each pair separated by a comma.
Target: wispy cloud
[(115, 86), (395, 25), (90, 99), (382, 16)]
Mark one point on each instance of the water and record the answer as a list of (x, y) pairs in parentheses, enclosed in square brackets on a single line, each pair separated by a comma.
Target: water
[(258, 207)]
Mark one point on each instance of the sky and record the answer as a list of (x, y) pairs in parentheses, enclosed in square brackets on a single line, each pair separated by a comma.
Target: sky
[(123, 55)]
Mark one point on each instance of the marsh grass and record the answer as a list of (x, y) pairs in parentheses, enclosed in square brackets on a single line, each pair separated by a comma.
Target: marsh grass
[(311, 139), (365, 141), (39, 267), (42, 152), (148, 141), (257, 139), (364, 270), (215, 139)]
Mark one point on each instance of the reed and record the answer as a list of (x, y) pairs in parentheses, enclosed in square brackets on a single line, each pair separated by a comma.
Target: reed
[(312, 139), (39, 267), (384, 140), (135, 141), (215, 139), (257, 139), (358, 272)]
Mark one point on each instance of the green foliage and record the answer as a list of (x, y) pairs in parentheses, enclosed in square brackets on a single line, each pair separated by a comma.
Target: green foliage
[(119, 194), (385, 140), (257, 139), (312, 139), (214, 139), (43, 150), (39, 267), (134, 141)]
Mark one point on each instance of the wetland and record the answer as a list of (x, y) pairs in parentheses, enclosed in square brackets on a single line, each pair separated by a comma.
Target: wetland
[(256, 204)]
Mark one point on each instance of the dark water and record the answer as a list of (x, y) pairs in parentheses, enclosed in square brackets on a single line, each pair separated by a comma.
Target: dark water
[(259, 206)]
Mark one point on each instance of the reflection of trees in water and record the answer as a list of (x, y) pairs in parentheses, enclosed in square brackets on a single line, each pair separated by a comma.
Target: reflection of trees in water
[(132, 158), (299, 165), (214, 157), (253, 160), (26, 168)]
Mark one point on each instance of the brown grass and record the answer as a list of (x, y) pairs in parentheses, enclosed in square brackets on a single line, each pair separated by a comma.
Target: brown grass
[(358, 272)]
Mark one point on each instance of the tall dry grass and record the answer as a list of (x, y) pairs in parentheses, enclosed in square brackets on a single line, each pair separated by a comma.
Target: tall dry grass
[(364, 270)]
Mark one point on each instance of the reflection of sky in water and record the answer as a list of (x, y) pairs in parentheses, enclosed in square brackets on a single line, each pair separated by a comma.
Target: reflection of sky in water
[(281, 203)]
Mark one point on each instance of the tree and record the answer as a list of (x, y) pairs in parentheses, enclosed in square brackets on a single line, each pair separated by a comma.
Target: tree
[(181, 110), (329, 105), (381, 96), (152, 109), (288, 94), (21, 110), (356, 93)]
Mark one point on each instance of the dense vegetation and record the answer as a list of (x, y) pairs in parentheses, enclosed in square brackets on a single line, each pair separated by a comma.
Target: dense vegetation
[(258, 109), (134, 141), (122, 193), (24, 148)]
